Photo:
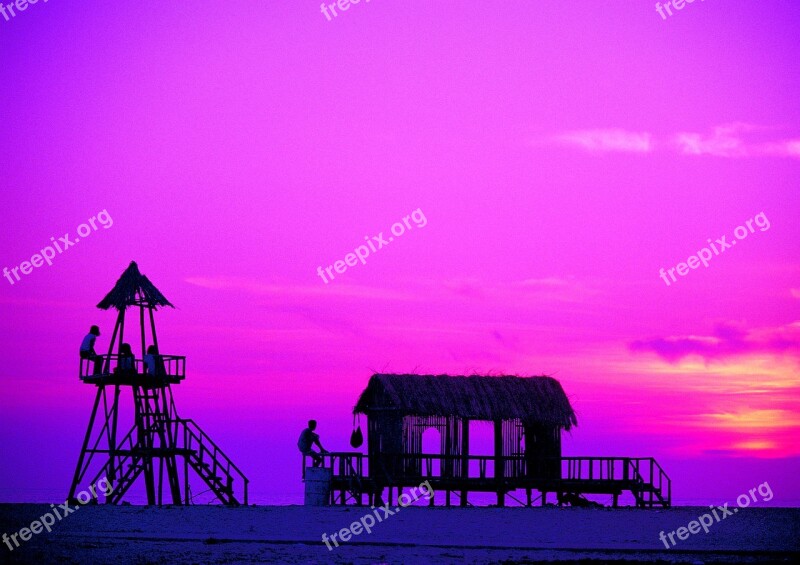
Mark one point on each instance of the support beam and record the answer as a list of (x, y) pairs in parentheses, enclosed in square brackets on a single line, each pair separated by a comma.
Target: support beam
[(113, 441), (78, 470), (499, 471), (465, 455)]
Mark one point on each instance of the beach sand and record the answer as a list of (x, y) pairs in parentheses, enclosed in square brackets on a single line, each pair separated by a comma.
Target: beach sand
[(292, 534)]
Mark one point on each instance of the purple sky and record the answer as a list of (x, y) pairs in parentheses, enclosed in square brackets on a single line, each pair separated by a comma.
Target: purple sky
[(562, 153)]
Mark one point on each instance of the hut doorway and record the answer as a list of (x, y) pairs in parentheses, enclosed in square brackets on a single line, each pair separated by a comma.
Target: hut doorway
[(481, 442), (431, 445), (543, 452)]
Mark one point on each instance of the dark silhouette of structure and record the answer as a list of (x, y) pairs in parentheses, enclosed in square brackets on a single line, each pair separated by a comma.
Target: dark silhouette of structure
[(160, 446), (527, 416)]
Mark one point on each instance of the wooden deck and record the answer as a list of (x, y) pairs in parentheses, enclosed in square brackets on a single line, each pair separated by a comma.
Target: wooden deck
[(353, 481)]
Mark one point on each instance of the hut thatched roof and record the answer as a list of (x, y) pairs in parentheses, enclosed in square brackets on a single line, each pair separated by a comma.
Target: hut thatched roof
[(133, 288), (531, 399)]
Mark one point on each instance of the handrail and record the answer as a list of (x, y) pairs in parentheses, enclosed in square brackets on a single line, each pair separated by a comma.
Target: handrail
[(118, 470), (211, 441), (218, 456), (642, 475), (573, 467), (168, 365), (343, 457)]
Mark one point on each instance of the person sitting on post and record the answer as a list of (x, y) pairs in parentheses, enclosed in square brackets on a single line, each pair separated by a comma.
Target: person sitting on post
[(87, 349), (307, 439)]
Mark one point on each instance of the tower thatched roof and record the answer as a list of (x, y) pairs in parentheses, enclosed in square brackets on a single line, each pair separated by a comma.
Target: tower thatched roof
[(531, 399), (133, 288)]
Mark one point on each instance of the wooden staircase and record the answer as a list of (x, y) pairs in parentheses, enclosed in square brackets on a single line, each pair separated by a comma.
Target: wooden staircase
[(212, 465), (653, 486), (200, 452)]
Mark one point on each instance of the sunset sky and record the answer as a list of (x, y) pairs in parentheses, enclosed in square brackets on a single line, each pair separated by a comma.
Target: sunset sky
[(561, 153)]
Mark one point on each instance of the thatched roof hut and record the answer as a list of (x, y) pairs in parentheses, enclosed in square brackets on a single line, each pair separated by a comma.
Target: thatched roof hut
[(133, 289), (532, 400)]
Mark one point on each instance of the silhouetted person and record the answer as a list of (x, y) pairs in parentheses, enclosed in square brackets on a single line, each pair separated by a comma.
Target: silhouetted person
[(87, 349), (151, 361), (307, 439), (126, 360)]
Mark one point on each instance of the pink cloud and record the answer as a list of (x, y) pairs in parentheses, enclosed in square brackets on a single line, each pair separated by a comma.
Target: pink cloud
[(727, 341), (604, 140), (320, 290), (723, 143), (731, 140), (784, 148)]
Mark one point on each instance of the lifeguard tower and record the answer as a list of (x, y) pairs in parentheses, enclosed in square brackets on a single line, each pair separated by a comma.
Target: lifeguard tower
[(158, 445)]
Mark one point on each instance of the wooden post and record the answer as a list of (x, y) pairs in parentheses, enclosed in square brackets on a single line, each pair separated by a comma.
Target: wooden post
[(120, 322), (464, 457), (498, 462), (186, 478), (153, 329), (79, 469), (121, 331), (112, 443)]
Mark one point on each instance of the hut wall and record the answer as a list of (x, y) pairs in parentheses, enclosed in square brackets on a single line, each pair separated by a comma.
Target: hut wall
[(513, 448), (450, 430)]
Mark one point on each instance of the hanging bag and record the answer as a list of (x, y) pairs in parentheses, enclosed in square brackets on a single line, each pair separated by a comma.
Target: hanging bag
[(356, 438)]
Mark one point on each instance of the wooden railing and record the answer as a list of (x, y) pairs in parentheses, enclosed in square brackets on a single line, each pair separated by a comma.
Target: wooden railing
[(653, 474), (448, 466), (341, 463), (172, 366), (208, 455), (642, 475), (643, 469)]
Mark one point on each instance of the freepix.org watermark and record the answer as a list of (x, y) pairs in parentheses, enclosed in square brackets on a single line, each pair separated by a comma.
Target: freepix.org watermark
[(719, 512), (367, 521), (377, 242), (46, 521), (704, 255), (343, 6), (47, 254), (18, 5), (677, 4)]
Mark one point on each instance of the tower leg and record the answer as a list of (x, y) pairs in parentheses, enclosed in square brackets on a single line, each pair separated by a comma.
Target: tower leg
[(149, 481), (112, 445), (145, 441), (78, 470), (170, 440)]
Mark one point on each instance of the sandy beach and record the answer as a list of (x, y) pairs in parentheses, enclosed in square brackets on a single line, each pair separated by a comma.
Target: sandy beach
[(292, 534)]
